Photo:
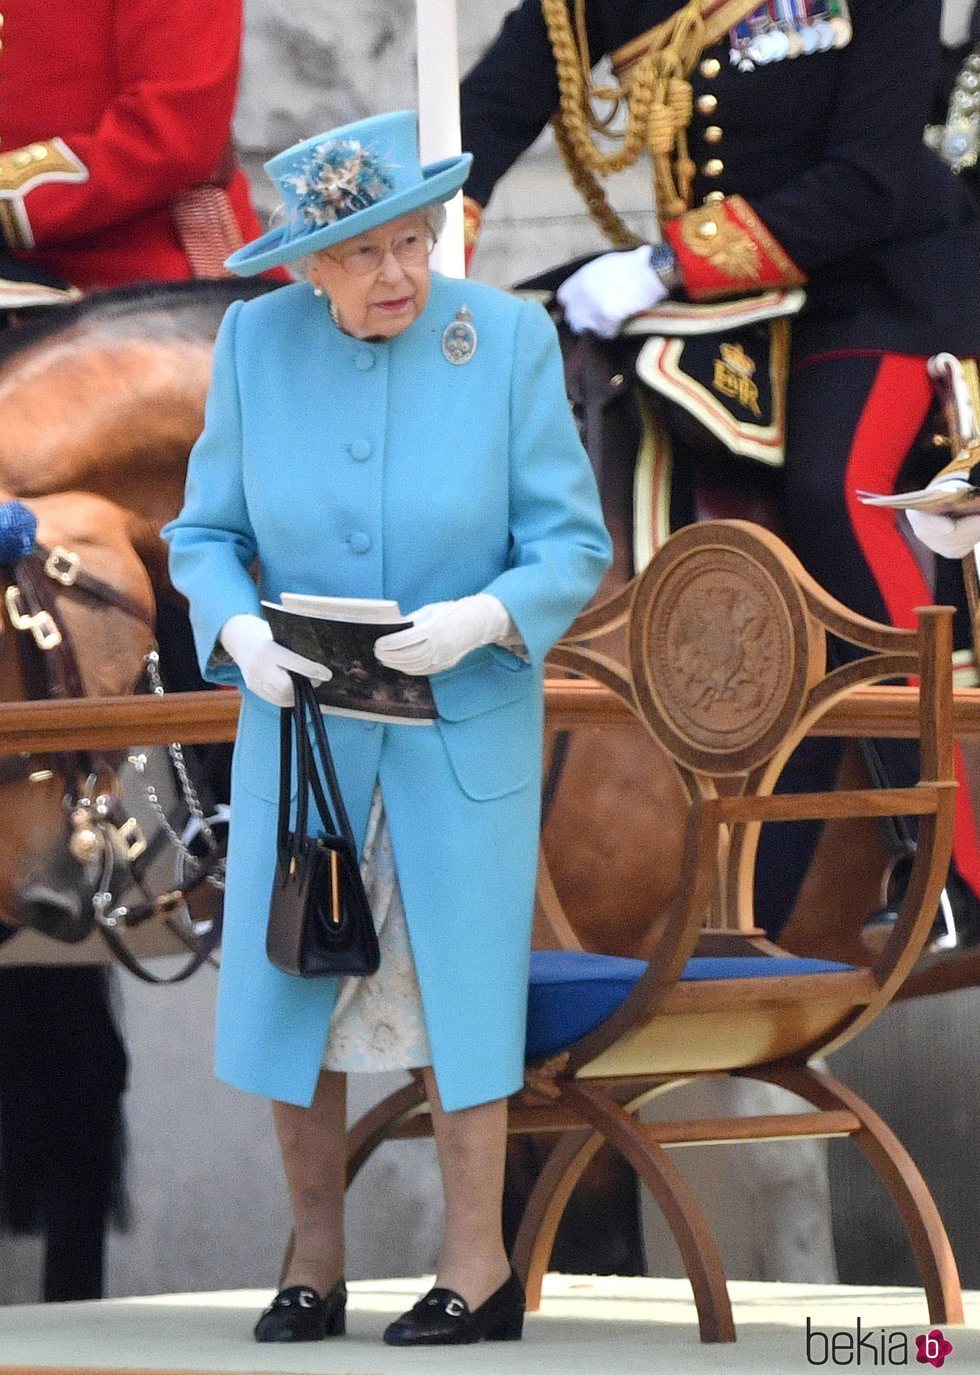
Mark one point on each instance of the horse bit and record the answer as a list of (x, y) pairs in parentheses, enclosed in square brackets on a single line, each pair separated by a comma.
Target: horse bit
[(102, 838)]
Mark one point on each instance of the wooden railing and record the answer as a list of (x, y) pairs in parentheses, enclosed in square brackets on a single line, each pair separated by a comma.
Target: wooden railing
[(210, 717)]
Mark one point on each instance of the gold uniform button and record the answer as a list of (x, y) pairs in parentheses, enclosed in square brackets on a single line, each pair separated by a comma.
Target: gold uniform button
[(713, 167), (1, 21), (707, 104), (713, 134), (708, 229), (713, 198), (21, 158), (710, 68), (38, 152)]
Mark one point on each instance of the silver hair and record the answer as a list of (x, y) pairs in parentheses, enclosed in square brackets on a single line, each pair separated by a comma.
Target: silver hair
[(435, 217)]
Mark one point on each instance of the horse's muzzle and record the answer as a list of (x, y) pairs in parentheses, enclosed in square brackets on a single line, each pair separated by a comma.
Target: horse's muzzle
[(63, 914)]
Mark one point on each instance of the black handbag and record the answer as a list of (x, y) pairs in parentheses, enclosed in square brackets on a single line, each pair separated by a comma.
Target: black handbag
[(320, 920)]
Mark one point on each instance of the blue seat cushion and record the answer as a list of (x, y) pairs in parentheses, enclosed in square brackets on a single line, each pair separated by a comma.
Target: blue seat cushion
[(572, 991)]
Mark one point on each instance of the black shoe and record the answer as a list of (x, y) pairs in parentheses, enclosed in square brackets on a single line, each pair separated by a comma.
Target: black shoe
[(443, 1318), (946, 933), (298, 1314), (942, 934)]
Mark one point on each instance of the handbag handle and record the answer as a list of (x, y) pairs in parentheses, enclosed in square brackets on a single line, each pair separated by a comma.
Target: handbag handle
[(312, 710), (294, 721), (289, 844)]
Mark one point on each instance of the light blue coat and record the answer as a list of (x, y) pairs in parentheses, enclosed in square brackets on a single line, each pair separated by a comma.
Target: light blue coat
[(359, 469)]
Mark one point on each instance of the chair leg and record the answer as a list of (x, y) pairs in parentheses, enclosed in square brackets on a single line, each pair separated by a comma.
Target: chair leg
[(899, 1173), (545, 1207), (673, 1195), (377, 1123)]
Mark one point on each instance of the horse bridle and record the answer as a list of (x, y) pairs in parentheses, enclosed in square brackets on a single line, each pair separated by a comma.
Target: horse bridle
[(102, 836)]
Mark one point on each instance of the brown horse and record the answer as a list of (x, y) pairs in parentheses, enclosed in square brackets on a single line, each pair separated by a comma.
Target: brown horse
[(108, 395), (100, 404)]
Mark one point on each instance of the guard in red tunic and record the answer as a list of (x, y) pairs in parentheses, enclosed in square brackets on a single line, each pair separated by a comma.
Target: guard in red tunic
[(115, 128)]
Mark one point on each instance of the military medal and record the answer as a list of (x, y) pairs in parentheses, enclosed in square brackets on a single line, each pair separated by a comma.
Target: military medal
[(782, 29), (830, 21), (840, 22), (786, 15), (739, 39), (459, 338)]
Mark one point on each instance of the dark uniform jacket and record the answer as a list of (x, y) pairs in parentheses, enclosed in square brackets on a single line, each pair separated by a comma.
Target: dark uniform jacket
[(826, 149)]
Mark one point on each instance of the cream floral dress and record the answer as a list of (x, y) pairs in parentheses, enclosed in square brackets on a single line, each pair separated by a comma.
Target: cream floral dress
[(377, 1022)]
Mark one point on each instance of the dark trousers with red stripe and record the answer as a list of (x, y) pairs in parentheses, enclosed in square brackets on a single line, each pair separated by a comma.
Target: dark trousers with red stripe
[(853, 419)]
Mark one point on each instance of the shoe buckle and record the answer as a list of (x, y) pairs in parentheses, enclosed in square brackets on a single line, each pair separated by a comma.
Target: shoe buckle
[(454, 1308), (306, 1299)]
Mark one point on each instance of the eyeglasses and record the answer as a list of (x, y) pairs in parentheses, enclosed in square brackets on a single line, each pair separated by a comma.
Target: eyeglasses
[(410, 250)]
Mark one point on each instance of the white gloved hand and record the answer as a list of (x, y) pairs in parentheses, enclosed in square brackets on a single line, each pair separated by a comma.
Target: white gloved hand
[(265, 665), (606, 291), (952, 536), (442, 633)]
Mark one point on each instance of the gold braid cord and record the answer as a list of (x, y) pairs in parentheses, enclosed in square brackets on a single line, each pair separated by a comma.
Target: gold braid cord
[(658, 101)]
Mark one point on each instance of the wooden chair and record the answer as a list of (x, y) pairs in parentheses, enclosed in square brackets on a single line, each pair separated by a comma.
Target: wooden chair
[(727, 669)]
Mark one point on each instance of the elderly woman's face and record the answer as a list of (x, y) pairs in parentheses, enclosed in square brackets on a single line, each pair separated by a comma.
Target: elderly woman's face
[(378, 281)]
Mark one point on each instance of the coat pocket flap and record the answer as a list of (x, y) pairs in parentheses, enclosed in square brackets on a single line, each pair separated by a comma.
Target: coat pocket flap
[(488, 679), (495, 753)]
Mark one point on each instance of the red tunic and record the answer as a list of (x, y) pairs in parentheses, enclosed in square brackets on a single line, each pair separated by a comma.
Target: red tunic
[(108, 110)]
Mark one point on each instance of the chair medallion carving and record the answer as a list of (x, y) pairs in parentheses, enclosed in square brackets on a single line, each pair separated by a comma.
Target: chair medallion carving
[(721, 650)]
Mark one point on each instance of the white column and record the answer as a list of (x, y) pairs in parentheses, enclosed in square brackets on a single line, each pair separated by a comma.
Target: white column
[(437, 49)]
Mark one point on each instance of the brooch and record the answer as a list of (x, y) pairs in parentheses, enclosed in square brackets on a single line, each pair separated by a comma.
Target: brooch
[(459, 338)]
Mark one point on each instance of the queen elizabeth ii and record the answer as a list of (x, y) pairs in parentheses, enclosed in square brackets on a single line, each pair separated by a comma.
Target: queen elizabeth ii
[(377, 430)]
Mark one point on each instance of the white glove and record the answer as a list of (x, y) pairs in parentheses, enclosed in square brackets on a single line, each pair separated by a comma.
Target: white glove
[(606, 291), (442, 633), (265, 665), (952, 536)]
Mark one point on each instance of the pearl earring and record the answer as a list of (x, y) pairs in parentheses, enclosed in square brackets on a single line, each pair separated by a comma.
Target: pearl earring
[(318, 291)]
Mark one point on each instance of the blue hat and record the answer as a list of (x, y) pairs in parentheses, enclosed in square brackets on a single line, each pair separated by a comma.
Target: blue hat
[(345, 181)]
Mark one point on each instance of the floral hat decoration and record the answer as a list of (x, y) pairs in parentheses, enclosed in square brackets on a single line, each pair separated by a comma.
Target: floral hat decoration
[(346, 181)]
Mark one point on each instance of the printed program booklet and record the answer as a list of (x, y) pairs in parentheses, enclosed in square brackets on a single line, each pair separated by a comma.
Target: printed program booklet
[(340, 632), (943, 502)]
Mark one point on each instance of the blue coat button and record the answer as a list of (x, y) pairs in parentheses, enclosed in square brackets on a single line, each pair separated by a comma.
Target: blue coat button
[(364, 360), (359, 541), (359, 450)]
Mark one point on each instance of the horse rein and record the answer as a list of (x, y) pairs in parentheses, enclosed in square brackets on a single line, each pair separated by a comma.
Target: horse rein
[(48, 658), (101, 835)]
